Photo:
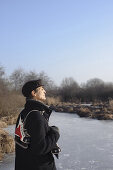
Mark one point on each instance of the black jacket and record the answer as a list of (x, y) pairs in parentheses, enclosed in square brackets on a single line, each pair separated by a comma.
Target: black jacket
[(43, 139)]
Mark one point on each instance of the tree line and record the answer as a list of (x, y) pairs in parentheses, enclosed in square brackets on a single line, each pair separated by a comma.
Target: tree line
[(69, 90)]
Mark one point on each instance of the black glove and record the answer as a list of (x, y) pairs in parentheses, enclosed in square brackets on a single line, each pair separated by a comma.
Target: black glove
[(55, 130)]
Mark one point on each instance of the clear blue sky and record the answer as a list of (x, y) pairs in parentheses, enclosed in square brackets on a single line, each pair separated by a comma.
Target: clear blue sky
[(64, 38)]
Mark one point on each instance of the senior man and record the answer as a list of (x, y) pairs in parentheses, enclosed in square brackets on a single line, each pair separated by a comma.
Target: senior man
[(35, 140)]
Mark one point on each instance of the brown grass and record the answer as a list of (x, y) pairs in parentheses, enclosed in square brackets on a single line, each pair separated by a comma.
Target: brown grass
[(85, 110), (111, 105), (6, 143), (3, 124), (9, 120), (52, 101), (10, 104)]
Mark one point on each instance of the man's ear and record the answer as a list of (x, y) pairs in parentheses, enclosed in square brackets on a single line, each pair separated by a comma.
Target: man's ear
[(33, 93)]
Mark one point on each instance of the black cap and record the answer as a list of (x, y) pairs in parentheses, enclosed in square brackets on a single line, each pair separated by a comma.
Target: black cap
[(29, 86)]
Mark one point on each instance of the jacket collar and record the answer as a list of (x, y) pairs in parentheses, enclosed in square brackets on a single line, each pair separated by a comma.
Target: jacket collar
[(33, 104)]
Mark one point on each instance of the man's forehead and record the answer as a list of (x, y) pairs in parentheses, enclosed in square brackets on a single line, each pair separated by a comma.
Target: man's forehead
[(41, 87)]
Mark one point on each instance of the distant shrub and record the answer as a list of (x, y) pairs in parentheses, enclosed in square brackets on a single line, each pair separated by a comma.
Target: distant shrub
[(10, 104), (111, 104), (3, 124), (84, 109), (6, 143), (52, 100)]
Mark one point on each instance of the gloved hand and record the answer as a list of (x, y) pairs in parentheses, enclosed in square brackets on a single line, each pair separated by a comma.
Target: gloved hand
[(55, 130), (56, 151)]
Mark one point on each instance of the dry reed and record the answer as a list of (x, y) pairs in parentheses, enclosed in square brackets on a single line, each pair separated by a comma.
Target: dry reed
[(6, 143)]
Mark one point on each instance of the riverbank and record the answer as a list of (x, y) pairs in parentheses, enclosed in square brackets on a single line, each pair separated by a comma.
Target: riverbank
[(100, 111), (7, 144)]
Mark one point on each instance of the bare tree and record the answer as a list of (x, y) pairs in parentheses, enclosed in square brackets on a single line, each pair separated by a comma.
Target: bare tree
[(3, 84), (93, 89), (32, 75), (17, 78), (2, 72), (94, 83), (69, 89), (48, 83)]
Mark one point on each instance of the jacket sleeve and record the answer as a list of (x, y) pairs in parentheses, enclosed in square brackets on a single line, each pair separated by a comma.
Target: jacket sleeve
[(42, 140)]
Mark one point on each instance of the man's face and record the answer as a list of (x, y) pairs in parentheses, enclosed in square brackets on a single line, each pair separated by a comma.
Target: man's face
[(40, 94)]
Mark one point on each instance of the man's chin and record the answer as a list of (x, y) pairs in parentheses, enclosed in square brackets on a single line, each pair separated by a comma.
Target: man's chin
[(43, 99)]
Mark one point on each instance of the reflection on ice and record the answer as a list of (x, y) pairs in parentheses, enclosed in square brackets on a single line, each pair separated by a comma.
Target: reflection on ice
[(67, 155)]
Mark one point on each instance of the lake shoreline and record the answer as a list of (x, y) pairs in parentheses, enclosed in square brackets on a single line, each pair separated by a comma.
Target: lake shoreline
[(7, 143), (97, 111)]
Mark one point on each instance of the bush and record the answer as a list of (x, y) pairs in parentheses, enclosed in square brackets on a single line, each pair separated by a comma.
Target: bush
[(3, 124), (6, 143), (111, 104), (84, 110), (52, 101), (10, 104)]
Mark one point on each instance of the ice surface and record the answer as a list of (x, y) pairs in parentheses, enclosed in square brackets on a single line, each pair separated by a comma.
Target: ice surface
[(86, 144)]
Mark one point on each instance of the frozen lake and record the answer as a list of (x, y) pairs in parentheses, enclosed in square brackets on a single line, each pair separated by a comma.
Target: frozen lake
[(86, 144)]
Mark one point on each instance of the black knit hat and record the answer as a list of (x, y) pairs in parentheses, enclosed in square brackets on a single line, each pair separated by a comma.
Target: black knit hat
[(29, 86)]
